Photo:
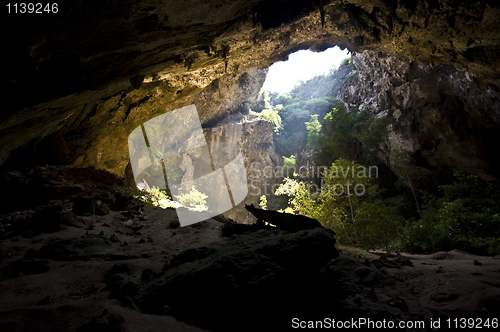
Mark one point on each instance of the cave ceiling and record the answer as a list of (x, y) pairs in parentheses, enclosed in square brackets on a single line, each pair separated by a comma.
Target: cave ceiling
[(57, 67)]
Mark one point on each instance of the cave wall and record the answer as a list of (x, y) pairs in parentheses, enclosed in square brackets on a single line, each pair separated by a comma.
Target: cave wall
[(79, 79), (254, 137), (438, 113)]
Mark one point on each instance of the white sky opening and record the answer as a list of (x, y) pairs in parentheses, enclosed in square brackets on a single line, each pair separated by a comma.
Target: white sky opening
[(302, 65)]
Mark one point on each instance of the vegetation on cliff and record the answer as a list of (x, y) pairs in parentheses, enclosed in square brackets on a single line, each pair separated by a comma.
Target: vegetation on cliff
[(404, 207)]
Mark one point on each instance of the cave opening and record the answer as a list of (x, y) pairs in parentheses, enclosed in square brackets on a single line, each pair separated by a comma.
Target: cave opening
[(301, 66)]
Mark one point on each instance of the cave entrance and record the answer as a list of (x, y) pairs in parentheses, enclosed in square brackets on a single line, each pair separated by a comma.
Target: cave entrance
[(295, 91), (302, 66)]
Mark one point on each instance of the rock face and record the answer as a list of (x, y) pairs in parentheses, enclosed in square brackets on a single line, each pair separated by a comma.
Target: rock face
[(120, 41), (255, 139), (98, 135), (440, 114)]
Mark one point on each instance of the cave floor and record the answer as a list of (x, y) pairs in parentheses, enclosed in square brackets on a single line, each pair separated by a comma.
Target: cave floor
[(73, 294), (454, 283)]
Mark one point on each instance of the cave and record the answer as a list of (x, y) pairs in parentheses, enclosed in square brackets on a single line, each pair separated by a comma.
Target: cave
[(151, 182)]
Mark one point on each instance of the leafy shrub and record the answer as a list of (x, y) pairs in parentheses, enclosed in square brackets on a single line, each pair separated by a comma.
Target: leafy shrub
[(289, 166), (194, 200), (313, 132), (333, 203), (343, 128), (493, 246), (263, 202), (286, 210), (152, 196), (273, 117), (299, 199), (462, 218), (377, 225), (155, 197)]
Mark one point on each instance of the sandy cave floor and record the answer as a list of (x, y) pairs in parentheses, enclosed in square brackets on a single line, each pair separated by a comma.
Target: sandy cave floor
[(454, 283), (72, 293)]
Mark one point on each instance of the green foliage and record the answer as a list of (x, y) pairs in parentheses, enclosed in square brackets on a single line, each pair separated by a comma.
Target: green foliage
[(493, 246), (299, 198), (294, 108), (263, 202), (377, 224), (289, 166), (294, 115), (425, 233), (265, 97), (410, 175), (155, 197), (343, 128), (405, 204), (152, 197), (272, 115), (466, 215), (194, 200), (375, 140), (344, 187), (284, 98), (287, 210), (313, 132), (336, 201)]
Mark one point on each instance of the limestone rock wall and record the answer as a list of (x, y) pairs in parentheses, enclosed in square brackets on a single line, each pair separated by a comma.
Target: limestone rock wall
[(86, 59), (96, 134), (254, 137), (440, 115)]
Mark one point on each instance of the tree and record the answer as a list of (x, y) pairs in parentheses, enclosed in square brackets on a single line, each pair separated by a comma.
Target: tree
[(377, 145), (466, 214), (343, 128), (299, 197), (313, 132), (289, 166), (272, 116), (377, 224), (350, 184), (344, 186), (409, 174)]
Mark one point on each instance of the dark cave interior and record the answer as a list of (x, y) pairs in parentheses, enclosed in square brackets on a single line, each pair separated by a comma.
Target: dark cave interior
[(81, 249)]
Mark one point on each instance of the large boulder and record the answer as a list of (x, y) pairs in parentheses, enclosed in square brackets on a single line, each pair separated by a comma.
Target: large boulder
[(257, 275)]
